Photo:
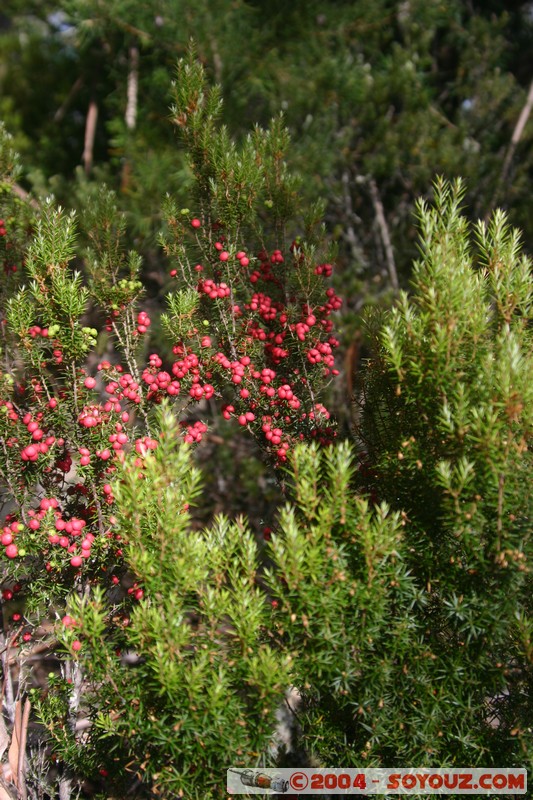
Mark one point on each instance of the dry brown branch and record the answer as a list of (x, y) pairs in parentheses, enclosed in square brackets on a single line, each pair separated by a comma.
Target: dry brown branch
[(90, 134), (132, 90), (65, 788), (23, 195), (76, 86), (384, 231), (23, 792), (8, 697), (515, 138), (350, 217), (4, 793), (4, 736), (14, 748)]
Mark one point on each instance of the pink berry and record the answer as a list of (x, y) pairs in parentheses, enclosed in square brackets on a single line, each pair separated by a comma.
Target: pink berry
[(89, 383), (76, 645), (12, 551), (76, 561)]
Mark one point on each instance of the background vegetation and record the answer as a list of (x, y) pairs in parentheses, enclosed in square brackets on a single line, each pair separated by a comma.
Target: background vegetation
[(376, 560)]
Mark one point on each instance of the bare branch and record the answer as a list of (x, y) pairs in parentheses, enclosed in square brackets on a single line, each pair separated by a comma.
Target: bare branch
[(23, 792), (65, 788), (76, 86), (90, 133), (132, 91), (24, 195), (385, 234), (515, 138), (349, 233)]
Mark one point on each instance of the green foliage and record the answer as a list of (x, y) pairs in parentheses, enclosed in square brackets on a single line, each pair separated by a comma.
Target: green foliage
[(375, 96), (396, 592), (205, 680), (446, 421), (16, 215), (239, 184)]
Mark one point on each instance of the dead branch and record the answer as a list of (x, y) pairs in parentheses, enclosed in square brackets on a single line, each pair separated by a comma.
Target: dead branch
[(90, 134), (65, 789), (24, 195), (132, 90), (22, 751), (515, 138), (351, 217), (385, 234), (76, 86)]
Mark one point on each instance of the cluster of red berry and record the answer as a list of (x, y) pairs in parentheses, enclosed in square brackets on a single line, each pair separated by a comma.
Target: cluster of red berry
[(274, 345), (268, 347)]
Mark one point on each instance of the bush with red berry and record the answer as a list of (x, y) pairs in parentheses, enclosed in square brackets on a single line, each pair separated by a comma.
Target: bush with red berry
[(405, 627), (249, 323)]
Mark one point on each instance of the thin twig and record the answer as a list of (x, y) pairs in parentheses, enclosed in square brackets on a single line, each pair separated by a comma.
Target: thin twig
[(351, 217), (76, 86), (217, 61), (90, 134), (7, 685), (23, 792), (515, 138), (385, 235), (24, 195), (65, 787), (132, 90)]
